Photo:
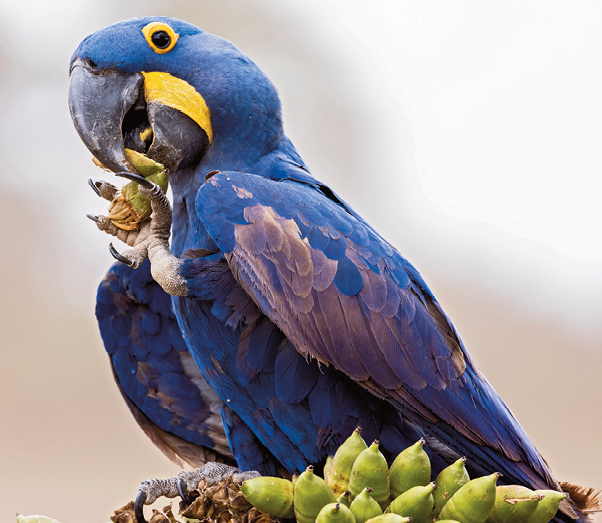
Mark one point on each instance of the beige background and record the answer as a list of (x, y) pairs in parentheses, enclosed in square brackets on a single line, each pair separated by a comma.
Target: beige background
[(68, 446)]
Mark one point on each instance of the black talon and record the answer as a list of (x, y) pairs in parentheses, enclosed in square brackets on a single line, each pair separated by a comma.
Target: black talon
[(139, 506), (92, 183), (93, 217), (183, 490), (136, 178), (119, 257)]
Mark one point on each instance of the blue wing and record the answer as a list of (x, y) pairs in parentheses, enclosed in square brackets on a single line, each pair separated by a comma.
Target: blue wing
[(297, 410), (346, 298), (156, 374)]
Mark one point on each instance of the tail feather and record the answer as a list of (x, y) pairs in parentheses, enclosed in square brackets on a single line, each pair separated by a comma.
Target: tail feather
[(586, 500)]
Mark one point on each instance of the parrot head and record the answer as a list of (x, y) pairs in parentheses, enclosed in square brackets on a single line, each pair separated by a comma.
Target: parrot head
[(167, 89)]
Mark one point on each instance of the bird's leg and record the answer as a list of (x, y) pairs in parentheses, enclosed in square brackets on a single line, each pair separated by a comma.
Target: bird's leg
[(164, 265), (152, 489), (151, 240)]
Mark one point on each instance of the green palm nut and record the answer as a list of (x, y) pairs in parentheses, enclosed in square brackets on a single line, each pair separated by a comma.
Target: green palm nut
[(338, 474), (416, 503), (473, 502), (370, 469), (364, 506), (345, 498), (335, 513), (547, 507), (130, 208), (448, 482), (272, 495), (513, 504), (327, 465), (311, 494), (389, 518), (411, 468)]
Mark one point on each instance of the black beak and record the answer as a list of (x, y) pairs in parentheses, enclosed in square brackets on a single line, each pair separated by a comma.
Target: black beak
[(98, 104)]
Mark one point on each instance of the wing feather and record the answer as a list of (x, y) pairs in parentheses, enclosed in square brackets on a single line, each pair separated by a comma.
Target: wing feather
[(343, 295)]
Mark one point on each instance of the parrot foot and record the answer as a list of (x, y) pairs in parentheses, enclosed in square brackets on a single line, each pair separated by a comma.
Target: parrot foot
[(131, 238), (150, 240), (214, 473)]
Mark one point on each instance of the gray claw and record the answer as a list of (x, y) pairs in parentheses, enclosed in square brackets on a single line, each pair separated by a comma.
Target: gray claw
[(139, 506), (183, 490), (93, 183), (120, 257), (93, 217), (136, 178)]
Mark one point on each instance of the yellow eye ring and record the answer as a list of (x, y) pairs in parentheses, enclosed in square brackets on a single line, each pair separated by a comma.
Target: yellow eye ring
[(160, 37)]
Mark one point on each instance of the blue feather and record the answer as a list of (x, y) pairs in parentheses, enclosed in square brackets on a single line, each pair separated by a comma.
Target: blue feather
[(348, 278), (294, 376)]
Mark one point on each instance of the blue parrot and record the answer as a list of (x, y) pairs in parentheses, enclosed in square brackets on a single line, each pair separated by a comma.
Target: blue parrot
[(277, 319)]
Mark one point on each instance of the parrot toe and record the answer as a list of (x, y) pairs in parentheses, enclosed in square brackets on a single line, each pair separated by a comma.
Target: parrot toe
[(120, 257), (183, 490), (139, 506), (92, 183), (185, 483), (103, 189), (136, 178)]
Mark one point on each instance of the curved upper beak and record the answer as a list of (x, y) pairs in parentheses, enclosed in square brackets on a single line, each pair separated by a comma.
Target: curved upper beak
[(98, 104)]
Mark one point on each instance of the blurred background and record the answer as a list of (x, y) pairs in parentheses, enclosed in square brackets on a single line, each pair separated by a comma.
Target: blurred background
[(467, 133)]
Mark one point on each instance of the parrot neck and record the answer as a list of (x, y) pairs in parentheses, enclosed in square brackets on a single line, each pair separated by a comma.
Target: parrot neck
[(188, 232)]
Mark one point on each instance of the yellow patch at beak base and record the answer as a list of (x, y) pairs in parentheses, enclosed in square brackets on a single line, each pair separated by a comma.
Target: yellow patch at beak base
[(178, 94)]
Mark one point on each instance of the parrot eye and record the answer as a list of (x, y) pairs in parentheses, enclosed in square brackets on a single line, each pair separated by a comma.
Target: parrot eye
[(160, 37)]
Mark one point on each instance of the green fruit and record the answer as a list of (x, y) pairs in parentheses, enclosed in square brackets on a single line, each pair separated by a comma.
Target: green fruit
[(345, 498), (448, 482), (335, 513), (416, 503), (327, 465), (143, 164), (339, 472), (370, 470), (364, 506), (411, 468), (311, 494), (513, 504), (271, 495), (130, 208), (473, 502), (447, 521), (389, 518), (548, 506)]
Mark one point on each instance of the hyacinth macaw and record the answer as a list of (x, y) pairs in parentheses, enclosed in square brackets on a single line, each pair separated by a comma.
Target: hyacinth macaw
[(277, 319)]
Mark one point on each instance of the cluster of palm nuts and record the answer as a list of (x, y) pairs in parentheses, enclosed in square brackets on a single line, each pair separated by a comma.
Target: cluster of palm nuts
[(359, 487)]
